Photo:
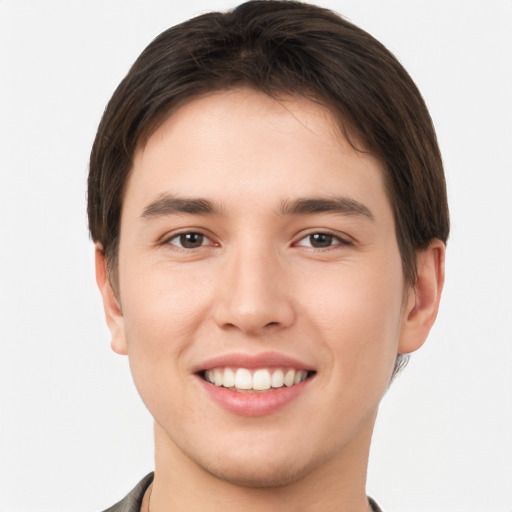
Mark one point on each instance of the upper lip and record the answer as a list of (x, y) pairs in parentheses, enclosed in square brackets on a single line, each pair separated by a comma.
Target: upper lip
[(252, 361)]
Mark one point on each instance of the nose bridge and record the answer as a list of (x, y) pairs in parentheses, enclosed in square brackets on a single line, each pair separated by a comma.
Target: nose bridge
[(253, 292)]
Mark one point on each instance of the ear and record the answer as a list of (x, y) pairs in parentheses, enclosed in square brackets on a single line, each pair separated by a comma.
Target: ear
[(422, 302), (113, 313)]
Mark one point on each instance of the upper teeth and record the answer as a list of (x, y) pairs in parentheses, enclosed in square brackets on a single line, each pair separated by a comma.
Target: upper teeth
[(260, 379)]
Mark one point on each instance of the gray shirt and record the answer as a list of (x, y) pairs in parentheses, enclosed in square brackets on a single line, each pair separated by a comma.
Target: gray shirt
[(133, 501)]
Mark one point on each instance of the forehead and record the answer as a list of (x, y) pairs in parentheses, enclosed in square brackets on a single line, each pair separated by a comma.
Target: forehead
[(242, 142)]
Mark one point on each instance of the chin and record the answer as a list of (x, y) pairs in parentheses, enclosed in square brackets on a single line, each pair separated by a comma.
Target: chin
[(255, 466), (271, 473)]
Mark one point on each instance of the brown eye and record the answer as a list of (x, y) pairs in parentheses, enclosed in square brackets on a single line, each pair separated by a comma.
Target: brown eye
[(320, 240), (191, 240), (188, 240)]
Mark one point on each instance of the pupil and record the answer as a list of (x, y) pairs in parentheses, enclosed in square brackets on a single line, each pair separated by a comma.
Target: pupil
[(191, 240), (321, 240)]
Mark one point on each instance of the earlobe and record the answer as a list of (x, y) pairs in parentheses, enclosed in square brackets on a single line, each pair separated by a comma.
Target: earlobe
[(111, 306), (423, 300)]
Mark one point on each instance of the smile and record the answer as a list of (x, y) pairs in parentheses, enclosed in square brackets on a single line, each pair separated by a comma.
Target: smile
[(254, 384), (255, 380)]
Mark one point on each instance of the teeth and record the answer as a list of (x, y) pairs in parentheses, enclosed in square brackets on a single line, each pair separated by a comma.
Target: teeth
[(300, 376), (289, 378), (218, 377), (258, 380), (277, 379), (261, 380), (229, 378), (243, 379)]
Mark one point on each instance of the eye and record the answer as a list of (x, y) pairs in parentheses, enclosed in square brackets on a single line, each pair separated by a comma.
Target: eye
[(189, 240), (321, 241)]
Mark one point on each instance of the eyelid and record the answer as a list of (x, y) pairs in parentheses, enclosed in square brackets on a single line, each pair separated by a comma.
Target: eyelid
[(342, 239), (166, 239)]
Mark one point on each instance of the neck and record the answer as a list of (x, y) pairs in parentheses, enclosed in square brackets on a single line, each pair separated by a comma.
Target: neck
[(339, 483)]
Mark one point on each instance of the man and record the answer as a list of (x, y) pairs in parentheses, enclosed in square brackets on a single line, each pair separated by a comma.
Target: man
[(268, 205)]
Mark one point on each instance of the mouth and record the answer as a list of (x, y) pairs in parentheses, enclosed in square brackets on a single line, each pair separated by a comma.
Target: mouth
[(255, 380), (255, 384)]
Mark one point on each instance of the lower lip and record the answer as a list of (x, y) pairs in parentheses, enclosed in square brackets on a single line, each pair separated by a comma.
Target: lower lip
[(254, 404)]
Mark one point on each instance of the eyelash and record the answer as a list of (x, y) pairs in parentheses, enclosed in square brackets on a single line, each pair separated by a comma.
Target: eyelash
[(331, 237), (205, 238)]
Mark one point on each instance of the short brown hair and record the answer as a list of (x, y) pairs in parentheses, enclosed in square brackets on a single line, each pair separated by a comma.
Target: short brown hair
[(278, 47)]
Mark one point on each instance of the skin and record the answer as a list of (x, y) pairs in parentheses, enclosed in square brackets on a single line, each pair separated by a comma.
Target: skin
[(255, 285)]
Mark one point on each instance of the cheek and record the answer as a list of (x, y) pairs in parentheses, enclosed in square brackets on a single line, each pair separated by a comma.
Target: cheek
[(358, 311), (163, 310)]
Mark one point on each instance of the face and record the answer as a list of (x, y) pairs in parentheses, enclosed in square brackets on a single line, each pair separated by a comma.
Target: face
[(261, 296)]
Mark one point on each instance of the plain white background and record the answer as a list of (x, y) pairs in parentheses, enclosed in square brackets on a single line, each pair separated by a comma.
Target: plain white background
[(74, 435)]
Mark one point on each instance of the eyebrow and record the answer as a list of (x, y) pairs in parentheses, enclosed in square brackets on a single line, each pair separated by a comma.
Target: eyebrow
[(168, 204), (313, 205)]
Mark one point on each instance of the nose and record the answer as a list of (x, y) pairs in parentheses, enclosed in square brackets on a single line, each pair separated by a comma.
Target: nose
[(254, 296)]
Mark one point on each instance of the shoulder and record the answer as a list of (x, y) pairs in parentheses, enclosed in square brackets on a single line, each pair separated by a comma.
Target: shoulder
[(132, 502), (373, 504)]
